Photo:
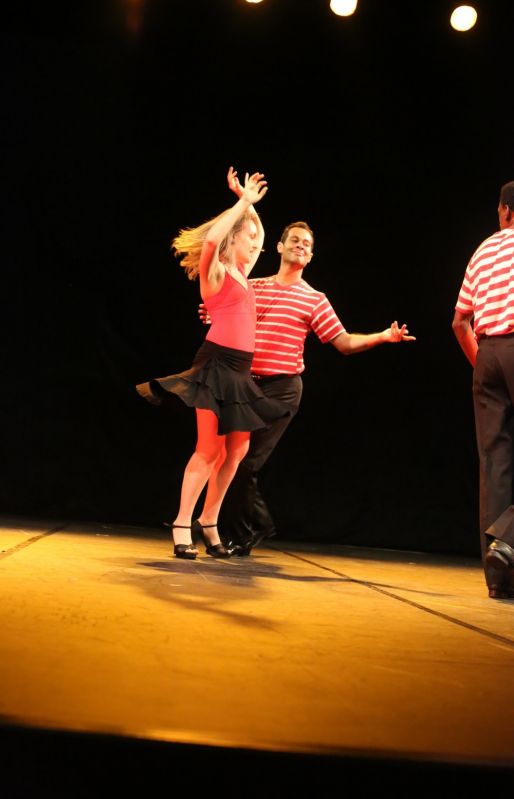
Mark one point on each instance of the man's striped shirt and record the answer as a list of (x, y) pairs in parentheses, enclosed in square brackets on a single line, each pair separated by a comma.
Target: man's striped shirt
[(285, 315), (488, 287)]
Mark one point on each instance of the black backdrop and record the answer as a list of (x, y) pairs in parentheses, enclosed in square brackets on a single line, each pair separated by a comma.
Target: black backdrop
[(388, 132)]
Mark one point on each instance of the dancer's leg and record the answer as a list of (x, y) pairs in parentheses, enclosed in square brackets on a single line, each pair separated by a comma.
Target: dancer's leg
[(245, 516), (197, 471), (235, 449)]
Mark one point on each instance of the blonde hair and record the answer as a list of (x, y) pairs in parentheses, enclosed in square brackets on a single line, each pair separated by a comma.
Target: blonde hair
[(189, 242)]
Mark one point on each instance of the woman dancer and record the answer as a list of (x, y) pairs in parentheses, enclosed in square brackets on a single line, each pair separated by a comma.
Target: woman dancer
[(229, 405)]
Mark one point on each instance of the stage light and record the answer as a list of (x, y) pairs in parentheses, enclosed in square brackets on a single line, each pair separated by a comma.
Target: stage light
[(134, 11), (254, 1), (463, 18), (343, 8)]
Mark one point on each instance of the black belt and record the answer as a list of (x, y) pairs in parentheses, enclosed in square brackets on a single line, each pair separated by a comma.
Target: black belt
[(272, 377), (498, 335)]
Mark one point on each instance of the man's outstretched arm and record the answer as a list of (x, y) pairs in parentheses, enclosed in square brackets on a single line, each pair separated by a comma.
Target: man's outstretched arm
[(351, 343)]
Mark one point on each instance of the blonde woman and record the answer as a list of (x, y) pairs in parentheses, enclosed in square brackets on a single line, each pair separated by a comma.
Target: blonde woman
[(229, 405)]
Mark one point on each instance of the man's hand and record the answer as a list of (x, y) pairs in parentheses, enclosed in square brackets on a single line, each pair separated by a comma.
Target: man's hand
[(395, 334), (204, 314)]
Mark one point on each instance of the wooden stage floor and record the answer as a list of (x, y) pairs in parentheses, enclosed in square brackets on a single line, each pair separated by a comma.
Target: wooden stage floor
[(311, 661)]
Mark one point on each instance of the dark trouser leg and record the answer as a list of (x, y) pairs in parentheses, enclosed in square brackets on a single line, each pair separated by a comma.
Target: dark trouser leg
[(493, 391), (245, 517)]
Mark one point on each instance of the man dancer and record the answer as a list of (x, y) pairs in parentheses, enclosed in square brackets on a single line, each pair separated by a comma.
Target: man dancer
[(288, 309), (487, 296)]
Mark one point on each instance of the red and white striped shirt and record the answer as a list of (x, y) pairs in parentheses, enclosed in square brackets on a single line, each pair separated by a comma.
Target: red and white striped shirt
[(488, 287), (285, 316)]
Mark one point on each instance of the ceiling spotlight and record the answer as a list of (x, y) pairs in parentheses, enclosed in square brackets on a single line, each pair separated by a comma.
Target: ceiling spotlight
[(463, 18), (343, 8)]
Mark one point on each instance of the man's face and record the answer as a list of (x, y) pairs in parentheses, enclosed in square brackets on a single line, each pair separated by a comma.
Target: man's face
[(297, 248)]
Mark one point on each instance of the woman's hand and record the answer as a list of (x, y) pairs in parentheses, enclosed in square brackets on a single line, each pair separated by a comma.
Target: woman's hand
[(255, 188), (233, 182)]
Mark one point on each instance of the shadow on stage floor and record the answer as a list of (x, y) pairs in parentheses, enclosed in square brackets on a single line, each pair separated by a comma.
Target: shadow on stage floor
[(305, 668)]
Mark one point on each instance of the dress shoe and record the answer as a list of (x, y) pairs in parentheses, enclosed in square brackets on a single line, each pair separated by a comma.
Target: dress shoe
[(238, 550), (214, 550), (499, 570), (242, 549), (185, 551)]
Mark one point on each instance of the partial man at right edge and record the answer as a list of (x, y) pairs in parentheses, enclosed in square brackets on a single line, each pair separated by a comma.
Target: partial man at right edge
[(487, 297)]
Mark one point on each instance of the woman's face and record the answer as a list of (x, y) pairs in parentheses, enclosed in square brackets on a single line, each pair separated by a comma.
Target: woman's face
[(245, 242)]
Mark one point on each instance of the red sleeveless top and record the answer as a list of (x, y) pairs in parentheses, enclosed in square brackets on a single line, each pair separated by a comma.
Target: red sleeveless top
[(232, 312)]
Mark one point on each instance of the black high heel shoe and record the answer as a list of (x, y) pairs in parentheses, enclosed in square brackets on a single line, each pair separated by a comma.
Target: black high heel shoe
[(214, 550), (185, 551)]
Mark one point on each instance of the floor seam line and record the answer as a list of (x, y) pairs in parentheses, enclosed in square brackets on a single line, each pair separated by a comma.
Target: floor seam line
[(13, 550), (487, 633)]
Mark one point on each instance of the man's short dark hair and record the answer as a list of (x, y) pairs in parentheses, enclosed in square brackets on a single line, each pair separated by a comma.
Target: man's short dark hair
[(507, 195), (303, 225)]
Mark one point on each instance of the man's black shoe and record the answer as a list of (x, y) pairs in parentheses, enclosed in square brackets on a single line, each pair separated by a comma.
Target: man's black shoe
[(243, 549), (499, 570), (238, 550)]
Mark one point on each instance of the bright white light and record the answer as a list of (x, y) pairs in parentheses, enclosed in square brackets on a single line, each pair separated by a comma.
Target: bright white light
[(463, 18), (343, 8), (254, 1)]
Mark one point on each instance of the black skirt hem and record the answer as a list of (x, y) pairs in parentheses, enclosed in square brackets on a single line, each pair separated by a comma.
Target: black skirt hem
[(219, 380)]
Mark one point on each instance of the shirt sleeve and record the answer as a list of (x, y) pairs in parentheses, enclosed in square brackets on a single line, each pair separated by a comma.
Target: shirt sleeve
[(325, 322), (465, 302)]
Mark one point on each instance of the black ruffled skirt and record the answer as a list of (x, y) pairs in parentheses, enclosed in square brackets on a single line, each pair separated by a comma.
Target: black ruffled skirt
[(219, 380)]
